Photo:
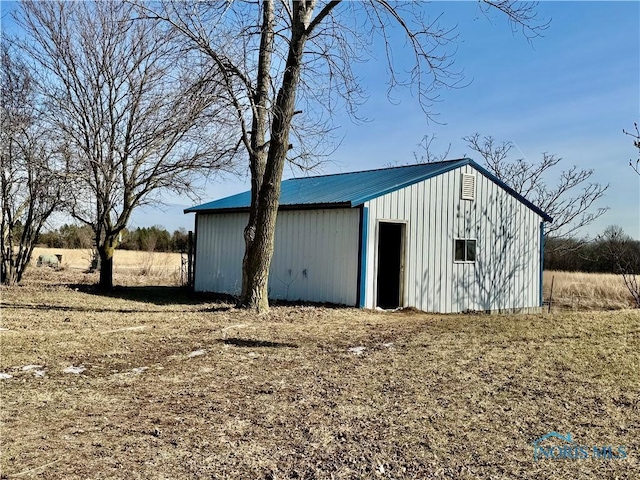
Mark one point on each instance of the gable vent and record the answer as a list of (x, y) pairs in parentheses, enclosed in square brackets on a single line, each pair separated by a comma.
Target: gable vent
[(468, 186)]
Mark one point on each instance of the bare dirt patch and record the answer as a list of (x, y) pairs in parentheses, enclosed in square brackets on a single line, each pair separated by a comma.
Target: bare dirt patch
[(285, 395)]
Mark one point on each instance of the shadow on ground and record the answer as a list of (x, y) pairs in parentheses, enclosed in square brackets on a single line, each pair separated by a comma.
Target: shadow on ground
[(246, 343), (160, 295)]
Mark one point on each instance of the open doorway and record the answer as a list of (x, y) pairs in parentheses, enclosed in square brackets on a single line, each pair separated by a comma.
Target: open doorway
[(390, 265)]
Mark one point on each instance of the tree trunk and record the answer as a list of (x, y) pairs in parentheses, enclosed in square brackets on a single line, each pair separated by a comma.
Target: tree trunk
[(260, 249), (15, 264), (256, 274), (258, 150), (8, 273), (7, 267), (105, 251)]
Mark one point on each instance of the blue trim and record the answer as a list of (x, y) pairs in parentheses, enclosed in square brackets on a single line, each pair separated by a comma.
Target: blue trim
[(541, 261), (363, 257)]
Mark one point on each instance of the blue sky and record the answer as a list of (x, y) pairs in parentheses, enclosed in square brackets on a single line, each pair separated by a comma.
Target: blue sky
[(570, 92)]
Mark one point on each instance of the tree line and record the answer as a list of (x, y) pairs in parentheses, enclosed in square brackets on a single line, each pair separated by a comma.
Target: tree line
[(148, 239), (613, 251)]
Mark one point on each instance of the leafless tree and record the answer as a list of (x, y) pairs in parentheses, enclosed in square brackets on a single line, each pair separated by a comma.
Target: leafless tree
[(624, 263), (137, 113), (30, 179), (288, 65), (619, 250), (636, 143), (570, 202)]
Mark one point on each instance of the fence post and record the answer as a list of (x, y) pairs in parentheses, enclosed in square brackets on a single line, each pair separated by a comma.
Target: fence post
[(190, 273)]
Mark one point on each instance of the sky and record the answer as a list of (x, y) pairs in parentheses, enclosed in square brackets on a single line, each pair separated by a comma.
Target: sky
[(570, 92)]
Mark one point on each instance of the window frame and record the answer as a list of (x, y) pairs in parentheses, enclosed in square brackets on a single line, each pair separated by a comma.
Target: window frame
[(465, 249)]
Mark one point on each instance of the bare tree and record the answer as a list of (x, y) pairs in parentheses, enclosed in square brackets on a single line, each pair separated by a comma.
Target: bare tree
[(138, 116), (288, 65), (570, 202), (636, 143), (30, 177), (619, 249)]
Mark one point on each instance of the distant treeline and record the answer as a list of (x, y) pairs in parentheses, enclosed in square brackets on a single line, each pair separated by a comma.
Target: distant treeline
[(148, 239), (611, 252)]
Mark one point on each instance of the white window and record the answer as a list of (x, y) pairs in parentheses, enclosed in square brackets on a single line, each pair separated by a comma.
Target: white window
[(465, 250)]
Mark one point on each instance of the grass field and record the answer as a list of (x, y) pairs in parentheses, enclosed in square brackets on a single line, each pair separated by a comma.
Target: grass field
[(586, 291), (175, 386), (130, 267)]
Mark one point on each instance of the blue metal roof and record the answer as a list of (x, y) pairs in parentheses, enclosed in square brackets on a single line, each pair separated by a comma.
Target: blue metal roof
[(352, 189)]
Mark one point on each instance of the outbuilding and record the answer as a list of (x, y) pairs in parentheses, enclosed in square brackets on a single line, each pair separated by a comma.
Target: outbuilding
[(440, 237)]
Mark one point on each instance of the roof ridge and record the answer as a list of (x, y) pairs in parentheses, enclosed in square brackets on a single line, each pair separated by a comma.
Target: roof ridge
[(378, 169)]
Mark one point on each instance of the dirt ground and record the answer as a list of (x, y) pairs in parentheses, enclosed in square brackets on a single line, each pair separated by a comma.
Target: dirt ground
[(153, 382)]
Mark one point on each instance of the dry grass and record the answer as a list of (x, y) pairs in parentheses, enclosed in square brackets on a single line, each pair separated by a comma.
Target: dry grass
[(586, 291), (282, 396), (164, 268)]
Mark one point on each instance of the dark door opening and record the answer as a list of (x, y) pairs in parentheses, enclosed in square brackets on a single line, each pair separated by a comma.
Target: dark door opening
[(389, 280)]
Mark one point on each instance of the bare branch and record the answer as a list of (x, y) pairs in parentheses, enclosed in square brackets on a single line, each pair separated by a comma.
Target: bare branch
[(326, 10), (428, 156), (521, 15), (570, 202), (636, 143), (623, 254)]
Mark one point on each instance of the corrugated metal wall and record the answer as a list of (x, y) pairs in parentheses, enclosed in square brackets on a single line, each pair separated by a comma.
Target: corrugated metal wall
[(219, 252), (506, 272), (315, 257)]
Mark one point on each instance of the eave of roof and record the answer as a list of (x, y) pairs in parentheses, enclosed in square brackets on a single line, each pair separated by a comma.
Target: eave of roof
[(348, 190)]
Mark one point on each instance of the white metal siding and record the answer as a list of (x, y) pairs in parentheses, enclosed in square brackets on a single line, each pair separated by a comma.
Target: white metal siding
[(315, 256), (506, 272), (219, 252)]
